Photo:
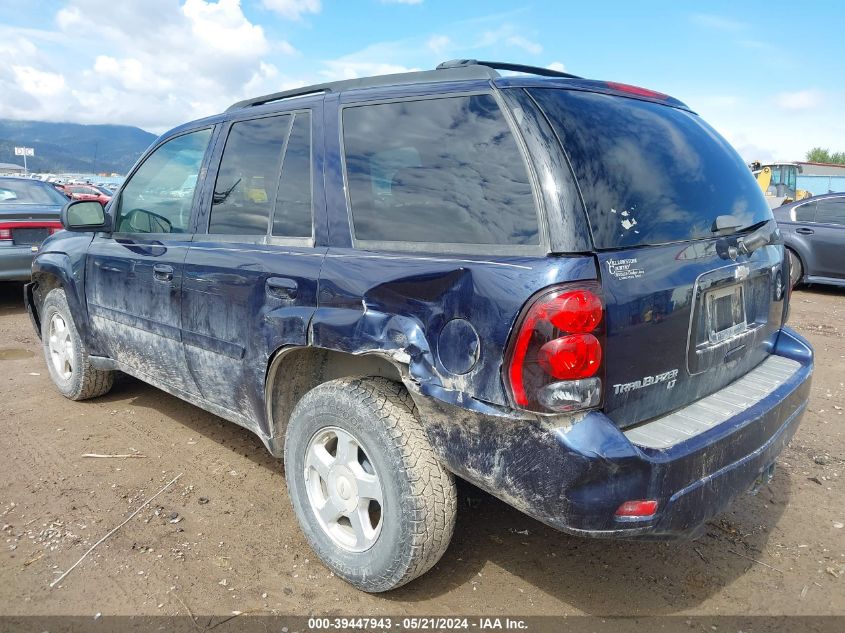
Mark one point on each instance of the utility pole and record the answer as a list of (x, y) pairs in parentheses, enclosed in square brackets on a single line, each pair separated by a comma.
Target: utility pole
[(24, 151)]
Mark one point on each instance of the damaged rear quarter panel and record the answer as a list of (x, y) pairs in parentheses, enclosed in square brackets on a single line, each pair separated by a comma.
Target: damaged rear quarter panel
[(399, 305)]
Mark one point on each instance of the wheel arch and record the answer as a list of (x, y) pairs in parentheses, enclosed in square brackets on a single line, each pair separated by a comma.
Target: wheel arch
[(294, 371), (47, 276)]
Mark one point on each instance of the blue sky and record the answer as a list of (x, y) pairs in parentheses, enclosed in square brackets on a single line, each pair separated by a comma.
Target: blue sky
[(769, 76)]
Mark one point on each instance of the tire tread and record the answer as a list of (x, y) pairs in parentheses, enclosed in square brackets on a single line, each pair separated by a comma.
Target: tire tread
[(93, 382), (433, 497)]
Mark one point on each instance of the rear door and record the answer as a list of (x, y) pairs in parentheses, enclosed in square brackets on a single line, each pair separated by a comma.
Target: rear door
[(828, 237), (250, 284), (134, 275), (682, 321)]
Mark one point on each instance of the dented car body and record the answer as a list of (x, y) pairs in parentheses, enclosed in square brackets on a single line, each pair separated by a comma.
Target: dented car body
[(618, 338)]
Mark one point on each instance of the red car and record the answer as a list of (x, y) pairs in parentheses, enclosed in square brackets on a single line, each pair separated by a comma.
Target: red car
[(88, 192)]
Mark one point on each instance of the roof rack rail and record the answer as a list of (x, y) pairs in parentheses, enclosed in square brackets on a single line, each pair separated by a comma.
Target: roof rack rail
[(278, 96), (519, 68), (457, 73)]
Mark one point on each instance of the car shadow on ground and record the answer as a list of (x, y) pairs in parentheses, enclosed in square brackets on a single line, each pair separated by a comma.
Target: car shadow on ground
[(821, 289), (11, 298), (197, 420), (643, 577)]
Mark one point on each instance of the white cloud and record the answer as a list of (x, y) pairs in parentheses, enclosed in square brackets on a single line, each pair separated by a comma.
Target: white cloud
[(799, 100), (403, 56), (718, 22), (224, 28), (438, 44), (759, 131), (525, 44), (337, 69), (154, 64), (38, 83), (558, 66), (293, 9), (401, 1), (68, 18)]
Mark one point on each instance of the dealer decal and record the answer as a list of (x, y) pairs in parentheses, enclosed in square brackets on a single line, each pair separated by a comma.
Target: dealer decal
[(669, 377), (624, 268)]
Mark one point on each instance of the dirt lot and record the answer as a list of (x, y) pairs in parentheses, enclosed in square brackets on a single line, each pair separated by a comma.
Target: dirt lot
[(224, 537)]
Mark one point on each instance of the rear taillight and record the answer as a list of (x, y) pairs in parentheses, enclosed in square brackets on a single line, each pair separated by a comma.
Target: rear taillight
[(6, 228), (554, 360)]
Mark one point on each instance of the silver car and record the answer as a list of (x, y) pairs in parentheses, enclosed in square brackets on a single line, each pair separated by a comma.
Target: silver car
[(814, 233)]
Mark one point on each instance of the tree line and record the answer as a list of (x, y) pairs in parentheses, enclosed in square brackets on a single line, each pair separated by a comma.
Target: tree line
[(824, 155)]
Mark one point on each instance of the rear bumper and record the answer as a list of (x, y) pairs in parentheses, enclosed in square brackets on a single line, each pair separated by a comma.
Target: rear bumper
[(575, 477), (16, 263)]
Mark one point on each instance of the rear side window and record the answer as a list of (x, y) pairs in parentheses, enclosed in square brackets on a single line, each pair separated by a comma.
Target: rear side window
[(806, 212), (292, 217), (248, 176), (831, 211), (650, 173), (437, 170)]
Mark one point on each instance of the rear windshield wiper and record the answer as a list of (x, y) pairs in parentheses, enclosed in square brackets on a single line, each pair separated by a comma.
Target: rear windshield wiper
[(761, 234)]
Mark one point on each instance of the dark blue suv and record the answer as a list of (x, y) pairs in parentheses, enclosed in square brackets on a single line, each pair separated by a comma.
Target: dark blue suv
[(570, 293)]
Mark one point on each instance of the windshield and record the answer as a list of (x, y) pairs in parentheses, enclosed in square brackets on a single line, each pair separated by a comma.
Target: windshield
[(29, 192), (649, 173)]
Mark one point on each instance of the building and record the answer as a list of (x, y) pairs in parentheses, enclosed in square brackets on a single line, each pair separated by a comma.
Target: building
[(818, 178), (10, 169)]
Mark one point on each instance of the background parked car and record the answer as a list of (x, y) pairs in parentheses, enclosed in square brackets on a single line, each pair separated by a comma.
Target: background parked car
[(61, 189), (29, 213), (814, 233), (88, 192)]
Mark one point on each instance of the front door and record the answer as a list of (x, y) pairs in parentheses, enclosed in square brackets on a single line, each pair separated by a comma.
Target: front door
[(134, 275)]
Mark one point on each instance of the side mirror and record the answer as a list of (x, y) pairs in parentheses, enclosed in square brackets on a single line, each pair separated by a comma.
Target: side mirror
[(85, 215)]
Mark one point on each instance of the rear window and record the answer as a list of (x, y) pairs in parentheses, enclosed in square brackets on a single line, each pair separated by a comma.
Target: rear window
[(650, 173), (25, 192), (442, 170)]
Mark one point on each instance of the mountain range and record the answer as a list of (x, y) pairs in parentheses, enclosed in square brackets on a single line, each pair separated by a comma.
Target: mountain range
[(72, 147)]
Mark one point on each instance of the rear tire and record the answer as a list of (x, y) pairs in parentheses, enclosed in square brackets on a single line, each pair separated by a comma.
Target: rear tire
[(796, 270), (66, 354), (356, 455)]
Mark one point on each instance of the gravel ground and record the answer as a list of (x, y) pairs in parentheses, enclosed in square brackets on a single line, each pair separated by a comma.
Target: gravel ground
[(224, 538)]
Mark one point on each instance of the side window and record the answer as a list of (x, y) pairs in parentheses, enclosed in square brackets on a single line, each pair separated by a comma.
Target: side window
[(831, 211), (437, 170), (158, 197), (292, 215), (248, 176), (155, 200), (806, 212)]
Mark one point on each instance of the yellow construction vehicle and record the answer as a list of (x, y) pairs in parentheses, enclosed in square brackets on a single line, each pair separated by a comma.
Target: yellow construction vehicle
[(778, 182)]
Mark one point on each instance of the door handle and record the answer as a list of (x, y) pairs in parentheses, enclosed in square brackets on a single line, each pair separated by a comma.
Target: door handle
[(281, 288), (804, 231), (163, 272)]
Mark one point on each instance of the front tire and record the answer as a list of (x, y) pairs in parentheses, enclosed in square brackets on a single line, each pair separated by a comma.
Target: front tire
[(66, 354), (375, 504)]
